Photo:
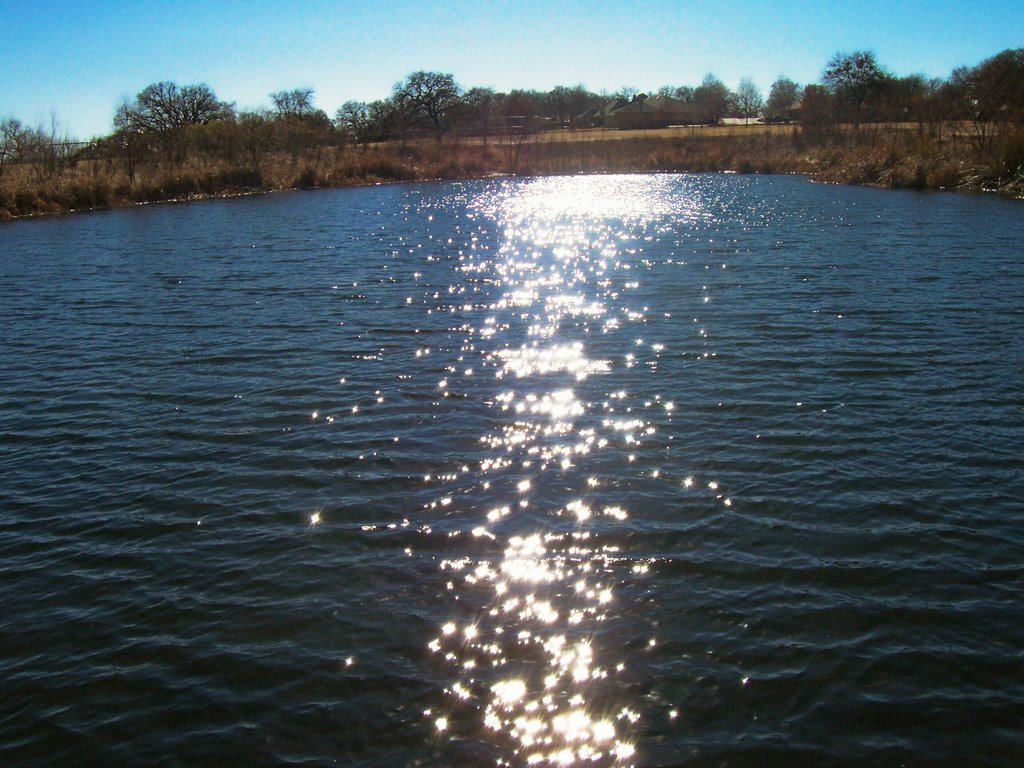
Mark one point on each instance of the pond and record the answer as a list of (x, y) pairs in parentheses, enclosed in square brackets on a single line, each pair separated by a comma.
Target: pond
[(608, 470)]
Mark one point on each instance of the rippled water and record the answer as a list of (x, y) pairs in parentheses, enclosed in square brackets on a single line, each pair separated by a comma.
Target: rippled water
[(638, 470)]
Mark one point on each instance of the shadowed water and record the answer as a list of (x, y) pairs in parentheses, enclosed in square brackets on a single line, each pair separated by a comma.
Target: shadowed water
[(616, 470)]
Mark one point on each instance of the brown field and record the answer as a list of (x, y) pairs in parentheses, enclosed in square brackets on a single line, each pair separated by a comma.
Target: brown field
[(675, 131)]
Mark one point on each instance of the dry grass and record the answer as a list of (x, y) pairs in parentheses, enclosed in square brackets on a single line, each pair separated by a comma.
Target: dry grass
[(896, 156), (672, 132)]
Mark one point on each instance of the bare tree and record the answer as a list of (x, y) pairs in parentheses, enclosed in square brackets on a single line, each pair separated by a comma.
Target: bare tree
[(163, 107), (11, 135), (430, 97), (783, 95), (30, 145), (296, 103), (479, 110), (256, 134), (353, 117), (712, 98), (748, 99), (817, 111), (56, 145), (855, 79), (990, 95), (565, 104), (388, 119), (163, 111)]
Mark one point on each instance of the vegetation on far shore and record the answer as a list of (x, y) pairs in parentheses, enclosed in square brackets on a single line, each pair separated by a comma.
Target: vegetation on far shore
[(861, 125)]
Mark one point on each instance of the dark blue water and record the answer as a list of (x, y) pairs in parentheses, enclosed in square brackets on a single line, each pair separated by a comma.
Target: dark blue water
[(648, 470)]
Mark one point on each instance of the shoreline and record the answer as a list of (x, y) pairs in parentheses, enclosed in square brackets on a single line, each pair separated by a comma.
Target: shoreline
[(895, 160), (226, 195)]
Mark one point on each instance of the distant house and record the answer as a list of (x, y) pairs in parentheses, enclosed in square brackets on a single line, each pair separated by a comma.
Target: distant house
[(788, 115), (742, 121), (643, 111), (590, 118)]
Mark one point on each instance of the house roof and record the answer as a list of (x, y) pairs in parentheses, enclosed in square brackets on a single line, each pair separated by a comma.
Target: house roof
[(643, 103)]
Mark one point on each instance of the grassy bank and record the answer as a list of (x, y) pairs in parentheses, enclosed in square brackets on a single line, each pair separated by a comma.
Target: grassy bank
[(896, 157)]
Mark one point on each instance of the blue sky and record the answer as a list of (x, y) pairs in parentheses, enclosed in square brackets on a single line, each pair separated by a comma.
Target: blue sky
[(78, 60)]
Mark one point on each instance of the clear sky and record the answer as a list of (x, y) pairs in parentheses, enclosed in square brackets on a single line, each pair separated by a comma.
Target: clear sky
[(78, 60)]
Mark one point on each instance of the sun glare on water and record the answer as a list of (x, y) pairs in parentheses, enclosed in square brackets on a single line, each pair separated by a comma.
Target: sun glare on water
[(531, 664)]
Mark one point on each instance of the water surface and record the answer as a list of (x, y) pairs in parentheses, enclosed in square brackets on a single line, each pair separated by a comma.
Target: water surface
[(614, 470)]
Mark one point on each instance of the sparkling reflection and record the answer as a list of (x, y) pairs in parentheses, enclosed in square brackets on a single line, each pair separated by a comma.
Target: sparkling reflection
[(531, 665), (546, 588)]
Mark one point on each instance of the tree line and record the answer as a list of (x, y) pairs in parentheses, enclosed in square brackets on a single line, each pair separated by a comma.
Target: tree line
[(162, 120), (170, 132)]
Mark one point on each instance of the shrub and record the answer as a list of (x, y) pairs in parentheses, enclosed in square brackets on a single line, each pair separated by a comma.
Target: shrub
[(307, 179)]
